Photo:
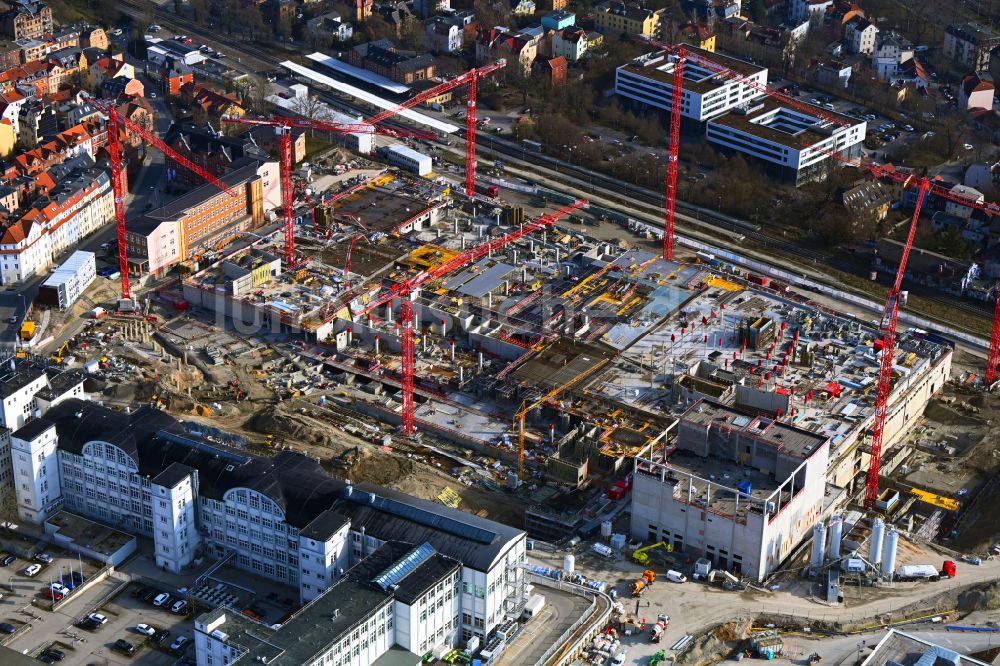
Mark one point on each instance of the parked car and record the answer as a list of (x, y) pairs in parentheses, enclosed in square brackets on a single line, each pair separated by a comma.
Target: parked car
[(7, 628), (139, 590), (59, 587), (7, 560), (44, 558), (50, 593), (55, 653), (179, 608), (99, 618), (124, 647), (179, 643), (145, 629), (77, 577), (161, 599), (160, 636), (32, 570)]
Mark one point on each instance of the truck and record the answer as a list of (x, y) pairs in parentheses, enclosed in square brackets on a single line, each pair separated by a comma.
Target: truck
[(917, 572), (639, 586), (656, 631), (602, 550), (534, 606), (27, 331)]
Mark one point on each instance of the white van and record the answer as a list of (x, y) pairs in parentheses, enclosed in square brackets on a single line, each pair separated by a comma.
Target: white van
[(676, 576)]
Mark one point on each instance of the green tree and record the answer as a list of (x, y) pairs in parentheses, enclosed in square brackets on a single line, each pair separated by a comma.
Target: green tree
[(758, 11)]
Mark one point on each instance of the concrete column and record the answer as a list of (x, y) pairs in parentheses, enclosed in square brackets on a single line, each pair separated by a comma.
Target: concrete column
[(452, 351), (376, 344), (480, 361), (388, 312), (461, 374)]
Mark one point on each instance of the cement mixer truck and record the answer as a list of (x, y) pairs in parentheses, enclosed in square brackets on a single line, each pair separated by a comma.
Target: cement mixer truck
[(639, 586), (656, 631)]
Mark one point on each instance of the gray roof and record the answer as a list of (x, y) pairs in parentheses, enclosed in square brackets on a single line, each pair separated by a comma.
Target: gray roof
[(23, 374), (32, 429), (296, 483), (243, 171), (351, 600)]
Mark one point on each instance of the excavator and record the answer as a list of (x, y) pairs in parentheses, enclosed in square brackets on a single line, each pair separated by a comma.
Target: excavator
[(59, 355), (641, 555)]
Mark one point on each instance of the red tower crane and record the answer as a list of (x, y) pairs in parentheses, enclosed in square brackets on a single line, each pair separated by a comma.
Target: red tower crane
[(405, 289), (115, 125), (891, 311), (284, 126), (471, 79), (887, 328)]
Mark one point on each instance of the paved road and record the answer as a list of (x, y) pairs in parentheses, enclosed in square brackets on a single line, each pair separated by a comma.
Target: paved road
[(694, 606), (146, 190)]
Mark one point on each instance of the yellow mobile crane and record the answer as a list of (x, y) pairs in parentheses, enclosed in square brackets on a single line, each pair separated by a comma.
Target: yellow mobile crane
[(641, 555), (525, 408)]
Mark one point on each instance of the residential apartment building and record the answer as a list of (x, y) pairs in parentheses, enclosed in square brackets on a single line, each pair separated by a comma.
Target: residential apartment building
[(570, 43), (892, 51), (859, 34), (77, 206), (970, 44), (208, 148), (496, 43), (616, 16), (792, 144), (738, 489), (26, 18), (202, 221), (813, 11), (283, 518), (975, 93), (330, 25), (444, 35), (648, 81)]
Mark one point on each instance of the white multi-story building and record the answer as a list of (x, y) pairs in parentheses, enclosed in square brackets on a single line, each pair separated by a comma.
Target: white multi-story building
[(813, 11), (35, 471), (796, 145), (401, 595), (739, 490), (79, 205), (891, 52), (282, 518), (860, 33), (649, 81), (28, 389)]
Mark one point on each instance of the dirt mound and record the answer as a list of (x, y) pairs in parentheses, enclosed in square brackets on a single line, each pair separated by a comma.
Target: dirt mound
[(380, 468), (986, 597), (272, 421), (714, 644)]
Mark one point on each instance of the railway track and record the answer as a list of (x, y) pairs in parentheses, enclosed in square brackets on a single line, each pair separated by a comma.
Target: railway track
[(610, 187)]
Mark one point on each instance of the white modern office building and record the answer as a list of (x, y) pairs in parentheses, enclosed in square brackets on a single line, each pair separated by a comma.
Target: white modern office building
[(796, 144), (649, 81), (282, 518)]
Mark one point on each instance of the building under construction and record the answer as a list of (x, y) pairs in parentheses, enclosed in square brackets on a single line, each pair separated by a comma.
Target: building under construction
[(598, 351)]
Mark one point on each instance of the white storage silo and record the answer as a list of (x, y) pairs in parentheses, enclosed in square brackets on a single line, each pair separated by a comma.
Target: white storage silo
[(569, 564), (889, 553), (875, 544), (819, 547), (835, 527)]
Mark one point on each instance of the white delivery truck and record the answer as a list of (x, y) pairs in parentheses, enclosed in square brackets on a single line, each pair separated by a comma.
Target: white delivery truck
[(676, 576)]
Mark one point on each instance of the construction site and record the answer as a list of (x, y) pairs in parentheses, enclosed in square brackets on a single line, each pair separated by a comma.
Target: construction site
[(528, 334)]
